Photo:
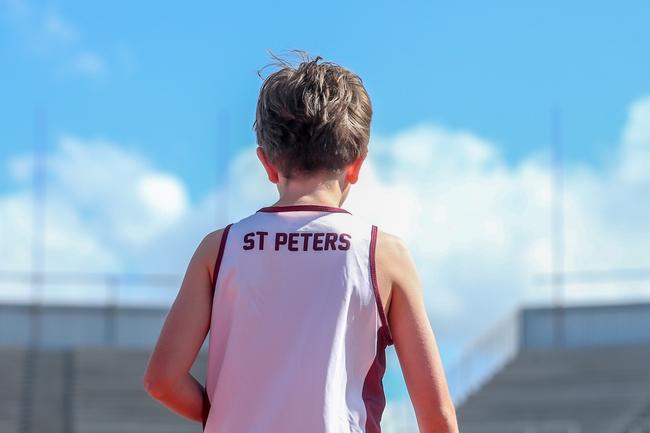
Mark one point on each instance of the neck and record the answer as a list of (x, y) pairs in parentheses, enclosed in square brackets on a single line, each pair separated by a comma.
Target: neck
[(326, 192)]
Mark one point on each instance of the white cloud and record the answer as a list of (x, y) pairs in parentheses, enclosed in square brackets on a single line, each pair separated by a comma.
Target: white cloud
[(151, 188), (102, 202), (477, 228), (634, 167)]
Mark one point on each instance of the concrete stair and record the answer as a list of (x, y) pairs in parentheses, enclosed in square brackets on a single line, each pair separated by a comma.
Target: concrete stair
[(83, 390), (578, 390)]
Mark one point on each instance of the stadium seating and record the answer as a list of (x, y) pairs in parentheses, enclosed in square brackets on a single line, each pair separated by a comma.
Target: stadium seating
[(576, 390), (109, 397), (83, 390), (12, 364), (99, 390)]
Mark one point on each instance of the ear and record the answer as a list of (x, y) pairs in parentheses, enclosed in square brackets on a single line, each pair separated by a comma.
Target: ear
[(352, 172), (271, 171)]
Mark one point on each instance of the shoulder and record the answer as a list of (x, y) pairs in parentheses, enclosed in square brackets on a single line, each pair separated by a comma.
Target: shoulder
[(390, 246), (394, 257), (208, 249)]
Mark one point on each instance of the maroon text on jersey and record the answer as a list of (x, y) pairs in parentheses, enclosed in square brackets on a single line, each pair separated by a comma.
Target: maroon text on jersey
[(297, 241)]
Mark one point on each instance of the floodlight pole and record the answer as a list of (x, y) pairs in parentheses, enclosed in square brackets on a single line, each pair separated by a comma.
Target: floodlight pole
[(38, 227), (557, 228), (221, 170)]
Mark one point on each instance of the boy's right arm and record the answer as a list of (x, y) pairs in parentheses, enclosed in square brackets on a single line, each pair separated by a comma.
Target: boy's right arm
[(414, 341)]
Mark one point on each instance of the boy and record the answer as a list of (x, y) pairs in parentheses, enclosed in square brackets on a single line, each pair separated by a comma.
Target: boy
[(301, 298)]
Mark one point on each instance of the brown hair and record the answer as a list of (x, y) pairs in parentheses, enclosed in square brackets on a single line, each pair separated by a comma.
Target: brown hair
[(311, 117)]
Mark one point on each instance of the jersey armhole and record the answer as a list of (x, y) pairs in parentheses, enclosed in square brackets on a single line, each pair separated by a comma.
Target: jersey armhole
[(217, 263), (388, 336), (205, 410)]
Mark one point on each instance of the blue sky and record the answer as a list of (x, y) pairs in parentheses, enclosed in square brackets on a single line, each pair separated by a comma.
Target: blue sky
[(169, 73), (150, 110)]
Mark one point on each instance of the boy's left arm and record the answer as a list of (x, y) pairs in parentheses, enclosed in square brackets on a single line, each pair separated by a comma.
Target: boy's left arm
[(167, 377)]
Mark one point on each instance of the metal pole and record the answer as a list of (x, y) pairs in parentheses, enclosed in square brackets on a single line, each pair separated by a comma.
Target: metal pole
[(557, 227), (223, 151), (111, 306), (38, 228)]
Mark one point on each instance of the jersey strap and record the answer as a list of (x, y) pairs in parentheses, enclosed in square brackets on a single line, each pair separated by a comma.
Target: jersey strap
[(217, 263), (375, 287)]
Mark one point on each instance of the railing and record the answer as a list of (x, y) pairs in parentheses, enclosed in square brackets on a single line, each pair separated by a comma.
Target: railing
[(484, 356), (31, 309), (491, 350)]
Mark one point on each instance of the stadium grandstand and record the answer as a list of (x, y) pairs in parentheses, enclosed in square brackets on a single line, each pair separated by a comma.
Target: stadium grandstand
[(577, 369), (573, 369)]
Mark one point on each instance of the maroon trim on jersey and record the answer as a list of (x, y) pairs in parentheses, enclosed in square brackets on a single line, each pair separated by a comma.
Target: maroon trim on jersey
[(205, 410), (303, 207), (373, 395), (375, 287), (373, 388), (217, 263)]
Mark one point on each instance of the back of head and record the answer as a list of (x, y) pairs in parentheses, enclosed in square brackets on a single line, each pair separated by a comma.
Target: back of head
[(312, 117)]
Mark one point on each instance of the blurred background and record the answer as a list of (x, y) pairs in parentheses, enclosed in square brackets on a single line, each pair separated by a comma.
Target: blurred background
[(510, 149)]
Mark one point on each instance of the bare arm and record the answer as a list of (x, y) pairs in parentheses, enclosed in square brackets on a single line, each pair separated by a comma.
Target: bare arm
[(167, 377), (414, 341)]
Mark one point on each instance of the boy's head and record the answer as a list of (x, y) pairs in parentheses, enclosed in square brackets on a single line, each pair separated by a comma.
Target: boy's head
[(312, 117)]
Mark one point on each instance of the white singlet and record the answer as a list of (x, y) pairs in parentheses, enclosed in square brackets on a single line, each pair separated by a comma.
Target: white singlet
[(298, 333)]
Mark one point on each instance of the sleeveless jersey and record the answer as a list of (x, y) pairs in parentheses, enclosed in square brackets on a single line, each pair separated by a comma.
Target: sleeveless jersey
[(297, 332)]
